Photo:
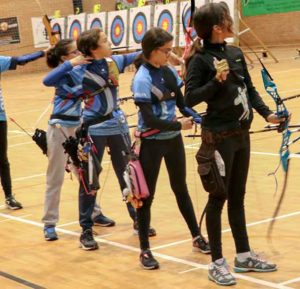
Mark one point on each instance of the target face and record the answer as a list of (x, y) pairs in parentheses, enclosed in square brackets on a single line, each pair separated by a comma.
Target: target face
[(75, 29), (117, 30), (187, 19), (56, 28), (139, 27), (96, 23), (165, 21)]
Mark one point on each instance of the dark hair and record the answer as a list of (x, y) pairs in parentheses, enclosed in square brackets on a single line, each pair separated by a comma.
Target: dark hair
[(209, 15), (55, 53), (153, 39), (88, 40), (204, 20)]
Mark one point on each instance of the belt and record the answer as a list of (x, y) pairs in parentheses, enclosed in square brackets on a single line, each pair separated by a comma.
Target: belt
[(215, 137), (97, 120), (65, 117)]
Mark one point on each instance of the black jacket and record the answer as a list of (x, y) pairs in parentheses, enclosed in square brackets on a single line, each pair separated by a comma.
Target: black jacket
[(229, 104)]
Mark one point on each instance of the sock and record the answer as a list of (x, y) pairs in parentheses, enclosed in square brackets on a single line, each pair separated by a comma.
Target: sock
[(219, 262), (242, 257)]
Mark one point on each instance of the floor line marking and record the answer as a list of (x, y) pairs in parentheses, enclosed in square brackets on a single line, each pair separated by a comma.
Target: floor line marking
[(22, 216), (290, 281), (162, 256), (20, 280), (229, 230)]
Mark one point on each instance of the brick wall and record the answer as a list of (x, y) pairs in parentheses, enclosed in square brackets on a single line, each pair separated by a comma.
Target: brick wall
[(25, 9), (274, 29)]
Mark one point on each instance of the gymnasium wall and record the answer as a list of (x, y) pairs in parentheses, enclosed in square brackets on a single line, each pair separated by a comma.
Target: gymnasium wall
[(25, 9), (274, 29)]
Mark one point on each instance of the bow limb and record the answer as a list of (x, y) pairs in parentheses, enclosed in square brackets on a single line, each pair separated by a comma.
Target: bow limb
[(188, 30), (53, 39), (281, 112)]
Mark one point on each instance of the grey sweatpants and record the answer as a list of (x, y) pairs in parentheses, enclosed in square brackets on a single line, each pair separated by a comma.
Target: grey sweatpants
[(55, 173)]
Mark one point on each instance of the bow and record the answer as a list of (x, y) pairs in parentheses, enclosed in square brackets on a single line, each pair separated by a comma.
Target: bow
[(53, 39), (284, 152), (188, 30)]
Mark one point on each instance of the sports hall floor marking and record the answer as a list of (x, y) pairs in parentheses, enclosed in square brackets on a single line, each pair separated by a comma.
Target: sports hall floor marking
[(162, 256), (20, 281), (22, 216), (21, 144), (28, 177), (229, 230), (195, 146), (25, 111), (291, 281)]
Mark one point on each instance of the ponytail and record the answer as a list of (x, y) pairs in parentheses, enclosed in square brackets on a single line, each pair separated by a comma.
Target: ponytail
[(54, 54), (195, 48)]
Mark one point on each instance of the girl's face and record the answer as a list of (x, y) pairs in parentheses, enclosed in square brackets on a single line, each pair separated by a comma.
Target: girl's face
[(228, 26), (72, 52), (160, 55), (104, 47), (223, 31)]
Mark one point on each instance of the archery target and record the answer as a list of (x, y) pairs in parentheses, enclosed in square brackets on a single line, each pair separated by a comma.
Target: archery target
[(117, 28), (165, 21), (164, 18), (96, 20), (185, 17), (139, 27), (76, 24), (39, 34), (58, 25), (140, 22)]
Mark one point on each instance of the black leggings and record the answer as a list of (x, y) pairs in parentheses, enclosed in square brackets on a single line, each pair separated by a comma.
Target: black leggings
[(151, 155), (117, 145), (235, 152), (4, 164)]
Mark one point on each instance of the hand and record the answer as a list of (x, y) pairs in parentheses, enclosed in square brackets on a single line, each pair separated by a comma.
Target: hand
[(186, 123), (175, 60), (222, 68), (80, 59), (273, 118)]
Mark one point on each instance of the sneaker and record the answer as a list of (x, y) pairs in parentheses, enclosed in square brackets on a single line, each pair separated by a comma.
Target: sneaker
[(49, 233), (147, 260), (253, 263), (87, 241), (151, 232), (201, 245), (220, 274), (101, 220), (12, 203)]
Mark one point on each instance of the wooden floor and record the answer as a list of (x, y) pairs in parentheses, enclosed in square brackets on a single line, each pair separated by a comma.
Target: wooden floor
[(28, 261)]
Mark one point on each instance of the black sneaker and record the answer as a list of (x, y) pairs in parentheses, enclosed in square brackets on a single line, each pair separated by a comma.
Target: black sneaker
[(151, 232), (87, 241), (101, 220), (12, 203), (147, 260), (201, 245)]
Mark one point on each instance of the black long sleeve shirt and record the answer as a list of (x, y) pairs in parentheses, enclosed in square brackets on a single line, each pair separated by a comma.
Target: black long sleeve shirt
[(229, 104)]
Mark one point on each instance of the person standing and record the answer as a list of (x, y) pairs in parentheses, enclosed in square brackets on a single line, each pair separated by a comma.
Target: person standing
[(156, 89), (217, 74), (10, 63)]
